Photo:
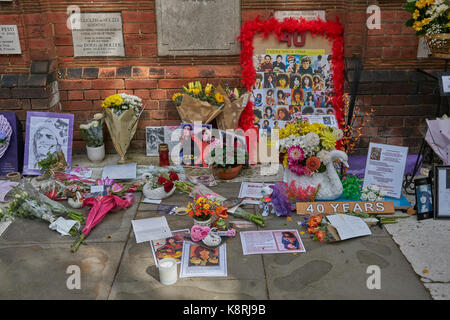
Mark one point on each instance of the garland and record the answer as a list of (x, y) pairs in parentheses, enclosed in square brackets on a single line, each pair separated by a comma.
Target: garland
[(333, 31)]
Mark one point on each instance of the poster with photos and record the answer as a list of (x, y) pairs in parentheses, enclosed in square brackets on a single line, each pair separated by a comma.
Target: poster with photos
[(154, 137), (295, 83)]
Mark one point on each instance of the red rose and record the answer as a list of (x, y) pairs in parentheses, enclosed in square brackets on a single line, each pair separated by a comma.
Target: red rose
[(173, 176), (162, 180), (168, 185)]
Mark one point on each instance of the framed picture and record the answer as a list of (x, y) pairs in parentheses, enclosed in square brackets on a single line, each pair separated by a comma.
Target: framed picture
[(46, 132), (441, 192), (154, 136), (171, 247), (195, 144)]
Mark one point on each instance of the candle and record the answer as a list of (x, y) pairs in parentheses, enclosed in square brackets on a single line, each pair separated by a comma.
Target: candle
[(168, 271)]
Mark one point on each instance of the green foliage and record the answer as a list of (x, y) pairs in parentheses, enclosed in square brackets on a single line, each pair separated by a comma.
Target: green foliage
[(352, 186), (45, 164)]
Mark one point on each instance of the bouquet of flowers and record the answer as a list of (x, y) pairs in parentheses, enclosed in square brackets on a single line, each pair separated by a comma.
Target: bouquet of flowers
[(196, 104), (32, 205), (234, 103), (92, 132), (122, 115), (430, 18), (196, 191), (305, 147), (159, 187), (202, 209), (373, 193), (318, 229)]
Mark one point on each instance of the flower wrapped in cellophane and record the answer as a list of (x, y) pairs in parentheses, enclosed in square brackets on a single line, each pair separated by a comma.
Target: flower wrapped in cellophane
[(198, 104), (122, 113), (305, 147)]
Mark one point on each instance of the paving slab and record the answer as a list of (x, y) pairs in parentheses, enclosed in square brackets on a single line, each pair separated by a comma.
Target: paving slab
[(339, 270), (39, 271)]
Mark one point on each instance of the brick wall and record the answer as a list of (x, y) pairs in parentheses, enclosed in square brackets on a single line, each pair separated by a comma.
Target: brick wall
[(47, 77)]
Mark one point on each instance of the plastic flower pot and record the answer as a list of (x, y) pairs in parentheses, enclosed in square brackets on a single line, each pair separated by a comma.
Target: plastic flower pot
[(203, 223), (228, 173), (96, 154)]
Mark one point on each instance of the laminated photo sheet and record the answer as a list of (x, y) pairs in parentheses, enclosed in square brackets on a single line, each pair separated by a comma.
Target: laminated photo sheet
[(198, 261), (171, 247), (271, 241)]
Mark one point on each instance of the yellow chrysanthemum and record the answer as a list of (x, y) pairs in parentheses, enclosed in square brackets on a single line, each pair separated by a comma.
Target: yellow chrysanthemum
[(175, 96), (114, 100), (425, 21), (285, 161), (195, 91), (290, 130), (328, 140), (317, 128), (416, 14)]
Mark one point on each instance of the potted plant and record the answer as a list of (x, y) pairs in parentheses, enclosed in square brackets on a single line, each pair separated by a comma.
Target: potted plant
[(195, 104), (430, 18), (92, 134), (227, 161), (203, 210)]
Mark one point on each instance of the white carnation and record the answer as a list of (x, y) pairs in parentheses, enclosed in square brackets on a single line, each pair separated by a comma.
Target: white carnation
[(371, 196), (383, 193), (365, 189), (363, 196), (374, 188), (98, 116), (311, 140)]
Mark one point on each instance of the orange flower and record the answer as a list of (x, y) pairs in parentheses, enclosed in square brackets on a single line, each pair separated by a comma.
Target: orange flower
[(315, 221), (313, 163), (321, 235), (313, 230)]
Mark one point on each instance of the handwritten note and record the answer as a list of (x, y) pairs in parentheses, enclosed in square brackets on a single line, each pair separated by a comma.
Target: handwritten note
[(349, 226)]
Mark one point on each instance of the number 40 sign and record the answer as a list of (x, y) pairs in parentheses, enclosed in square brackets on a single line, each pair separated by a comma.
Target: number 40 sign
[(371, 207)]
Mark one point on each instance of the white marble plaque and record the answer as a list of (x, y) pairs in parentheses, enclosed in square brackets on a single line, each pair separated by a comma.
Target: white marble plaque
[(99, 35), (198, 27), (306, 14), (9, 39)]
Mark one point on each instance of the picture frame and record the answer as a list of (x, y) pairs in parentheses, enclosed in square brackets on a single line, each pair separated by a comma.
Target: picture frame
[(46, 132), (154, 136), (444, 83), (441, 190)]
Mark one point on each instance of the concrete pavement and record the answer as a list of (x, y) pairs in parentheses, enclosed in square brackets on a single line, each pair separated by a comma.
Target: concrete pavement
[(34, 261)]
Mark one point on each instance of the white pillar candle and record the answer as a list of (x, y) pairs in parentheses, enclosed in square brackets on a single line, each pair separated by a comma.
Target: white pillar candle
[(168, 271)]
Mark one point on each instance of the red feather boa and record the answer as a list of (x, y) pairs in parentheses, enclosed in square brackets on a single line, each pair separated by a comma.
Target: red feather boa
[(333, 31)]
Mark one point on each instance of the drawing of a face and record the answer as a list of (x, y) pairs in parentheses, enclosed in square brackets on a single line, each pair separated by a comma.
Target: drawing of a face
[(44, 140)]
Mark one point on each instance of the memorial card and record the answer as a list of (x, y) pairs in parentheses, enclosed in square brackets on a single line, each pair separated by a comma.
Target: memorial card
[(154, 137), (47, 133), (385, 167), (171, 247), (271, 241), (199, 261)]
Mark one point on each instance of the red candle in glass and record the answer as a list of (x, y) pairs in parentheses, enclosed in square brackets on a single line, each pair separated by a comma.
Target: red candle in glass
[(163, 150)]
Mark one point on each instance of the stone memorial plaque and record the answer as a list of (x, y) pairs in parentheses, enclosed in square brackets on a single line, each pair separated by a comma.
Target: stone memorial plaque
[(9, 39), (12, 159), (307, 15), (198, 27), (98, 35)]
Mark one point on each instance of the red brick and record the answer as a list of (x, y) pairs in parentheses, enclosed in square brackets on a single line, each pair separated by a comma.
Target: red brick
[(403, 41), (388, 16), (106, 93), (392, 53), (148, 51), (158, 115), (75, 95), (147, 16), (156, 72), (91, 94), (223, 71), (171, 83), (133, 39), (109, 72), (108, 84), (74, 84), (356, 16), (173, 72), (34, 18), (391, 29), (65, 40), (158, 94), (64, 51), (148, 27), (130, 28), (130, 16), (140, 72), (140, 84), (190, 71), (142, 93), (133, 51), (76, 105), (206, 71)]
